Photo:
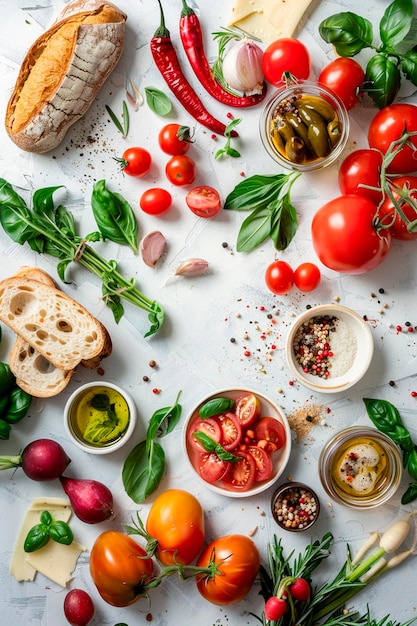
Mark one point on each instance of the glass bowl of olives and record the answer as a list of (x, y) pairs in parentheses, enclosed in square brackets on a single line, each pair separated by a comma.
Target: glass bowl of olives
[(304, 126)]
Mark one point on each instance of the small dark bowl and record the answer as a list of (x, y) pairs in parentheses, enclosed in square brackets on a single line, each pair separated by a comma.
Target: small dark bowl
[(300, 506)]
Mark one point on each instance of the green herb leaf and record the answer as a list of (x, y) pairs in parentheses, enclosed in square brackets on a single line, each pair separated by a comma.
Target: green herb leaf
[(216, 406), (163, 421), (211, 446), (254, 229), (348, 32), (386, 418), (395, 23), (142, 470), (123, 126), (158, 101), (383, 79), (46, 518), (37, 538), (114, 216), (409, 66), (100, 402), (61, 533), (410, 495)]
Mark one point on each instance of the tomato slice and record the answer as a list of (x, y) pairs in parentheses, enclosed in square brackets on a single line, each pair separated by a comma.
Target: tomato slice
[(208, 426), (231, 431), (241, 474), (271, 430), (248, 409), (211, 468), (203, 201), (263, 462)]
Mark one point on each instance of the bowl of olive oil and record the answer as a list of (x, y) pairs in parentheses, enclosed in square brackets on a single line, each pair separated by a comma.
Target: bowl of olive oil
[(99, 417)]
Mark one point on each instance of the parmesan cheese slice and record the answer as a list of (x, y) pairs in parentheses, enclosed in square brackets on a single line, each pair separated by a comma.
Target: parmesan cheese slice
[(268, 20), (55, 560)]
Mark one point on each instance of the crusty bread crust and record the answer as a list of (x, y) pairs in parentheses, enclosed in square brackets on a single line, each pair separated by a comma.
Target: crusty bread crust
[(62, 73)]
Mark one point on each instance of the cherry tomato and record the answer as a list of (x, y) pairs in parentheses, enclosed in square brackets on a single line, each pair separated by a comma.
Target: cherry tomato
[(203, 201), (263, 462), (388, 213), (209, 426), (238, 562), (345, 77), (174, 139), (181, 170), (119, 568), (155, 201), (211, 468), (359, 168), (231, 431), (279, 277), (300, 589), (241, 474), (247, 409), (176, 521), (285, 55), (135, 161), (345, 238), (389, 125), (307, 277), (78, 607), (271, 430)]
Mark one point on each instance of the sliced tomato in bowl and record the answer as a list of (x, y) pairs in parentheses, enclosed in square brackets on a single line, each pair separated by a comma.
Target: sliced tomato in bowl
[(263, 463), (270, 430), (247, 409), (211, 468), (241, 474), (231, 431), (208, 426)]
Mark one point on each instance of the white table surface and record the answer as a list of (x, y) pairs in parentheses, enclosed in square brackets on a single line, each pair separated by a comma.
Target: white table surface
[(193, 351)]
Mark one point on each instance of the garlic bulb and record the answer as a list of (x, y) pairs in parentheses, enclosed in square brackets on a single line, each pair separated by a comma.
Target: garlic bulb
[(242, 67)]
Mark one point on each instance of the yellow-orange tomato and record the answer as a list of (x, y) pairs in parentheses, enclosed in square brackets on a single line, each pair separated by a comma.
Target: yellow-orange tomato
[(238, 561), (119, 568), (176, 521)]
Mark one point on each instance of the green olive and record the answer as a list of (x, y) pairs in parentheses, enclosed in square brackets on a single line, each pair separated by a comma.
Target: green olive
[(319, 139), (323, 108), (310, 116), (334, 130), (299, 127), (295, 150), (285, 130)]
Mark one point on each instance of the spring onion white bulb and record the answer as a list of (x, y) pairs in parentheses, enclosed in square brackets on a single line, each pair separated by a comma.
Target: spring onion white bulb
[(242, 67)]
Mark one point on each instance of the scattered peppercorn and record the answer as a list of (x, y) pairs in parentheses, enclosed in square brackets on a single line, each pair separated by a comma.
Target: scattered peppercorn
[(145, 379), (381, 290), (392, 383), (232, 340), (225, 244)]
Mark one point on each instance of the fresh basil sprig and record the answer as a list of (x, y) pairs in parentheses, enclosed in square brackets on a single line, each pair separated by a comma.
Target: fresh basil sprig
[(350, 33), (272, 214), (210, 445), (228, 150), (145, 464), (40, 534), (114, 216), (216, 406)]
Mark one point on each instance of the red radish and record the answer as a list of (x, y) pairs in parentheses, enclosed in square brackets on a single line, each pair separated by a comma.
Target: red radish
[(91, 501), (41, 460), (275, 608), (300, 589), (78, 607)]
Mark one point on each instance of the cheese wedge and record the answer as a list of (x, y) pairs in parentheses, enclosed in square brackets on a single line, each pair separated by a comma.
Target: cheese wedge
[(55, 560), (268, 20)]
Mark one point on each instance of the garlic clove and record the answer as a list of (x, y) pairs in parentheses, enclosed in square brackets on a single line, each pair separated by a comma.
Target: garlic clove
[(152, 247), (242, 67), (192, 267)]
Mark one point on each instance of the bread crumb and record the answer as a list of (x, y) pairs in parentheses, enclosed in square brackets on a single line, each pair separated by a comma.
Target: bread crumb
[(302, 420)]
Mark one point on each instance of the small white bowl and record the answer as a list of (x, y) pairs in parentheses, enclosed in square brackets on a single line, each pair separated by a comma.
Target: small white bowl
[(351, 344), (84, 394), (279, 457)]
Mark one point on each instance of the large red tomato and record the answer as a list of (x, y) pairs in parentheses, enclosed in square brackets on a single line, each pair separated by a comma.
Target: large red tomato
[(407, 188), (119, 568), (387, 126), (176, 521), (234, 561), (285, 55), (345, 77), (344, 235)]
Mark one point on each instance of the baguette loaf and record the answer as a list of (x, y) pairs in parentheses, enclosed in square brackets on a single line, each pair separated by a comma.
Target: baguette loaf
[(51, 322), (62, 73)]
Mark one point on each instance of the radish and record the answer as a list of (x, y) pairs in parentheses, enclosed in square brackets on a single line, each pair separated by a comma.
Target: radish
[(41, 460), (78, 607), (275, 608), (91, 501)]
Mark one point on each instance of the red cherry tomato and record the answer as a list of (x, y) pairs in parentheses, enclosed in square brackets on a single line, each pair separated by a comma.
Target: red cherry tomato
[(345, 238), (359, 168), (155, 201), (307, 277), (203, 201), (279, 277), (271, 430), (174, 139), (407, 186), (285, 55), (389, 125), (241, 474), (345, 77), (135, 162), (181, 170)]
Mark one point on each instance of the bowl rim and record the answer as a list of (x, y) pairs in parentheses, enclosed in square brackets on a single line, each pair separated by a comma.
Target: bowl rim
[(285, 452), (120, 442), (287, 485), (338, 383)]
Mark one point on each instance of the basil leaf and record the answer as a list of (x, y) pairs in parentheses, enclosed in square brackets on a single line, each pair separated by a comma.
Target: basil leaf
[(382, 80), (410, 494), (347, 32), (254, 230), (37, 538), (142, 470), (158, 101), (211, 446), (114, 216), (163, 421), (61, 533), (46, 518), (386, 418), (284, 224), (412, 463), (396, 23), (409, 66), (254, 192), (216, 406)]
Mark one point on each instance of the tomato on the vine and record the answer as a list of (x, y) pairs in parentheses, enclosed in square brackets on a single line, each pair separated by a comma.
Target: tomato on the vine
[(174, 139), (389, 125), (359, 168), (345, 237), (119, 568), (285, 55), (203, 201), (135, 161), (176, 521), (181, 170), (237, 560), (407, 187), (307, 277), (279, 277), (344, 76), (155, 201)]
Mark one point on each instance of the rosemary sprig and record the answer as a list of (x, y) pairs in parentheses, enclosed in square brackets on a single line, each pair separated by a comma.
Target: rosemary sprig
[(122, 126)]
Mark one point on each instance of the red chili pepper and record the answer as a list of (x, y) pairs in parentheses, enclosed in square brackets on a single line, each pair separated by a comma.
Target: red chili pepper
[(167, 62), (192, 40)]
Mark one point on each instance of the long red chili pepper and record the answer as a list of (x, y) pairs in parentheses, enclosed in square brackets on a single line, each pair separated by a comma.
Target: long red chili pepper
[(192, 40), (167, 62)]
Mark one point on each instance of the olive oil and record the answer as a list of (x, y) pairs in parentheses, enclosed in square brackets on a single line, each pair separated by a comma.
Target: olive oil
[(359, 467)]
